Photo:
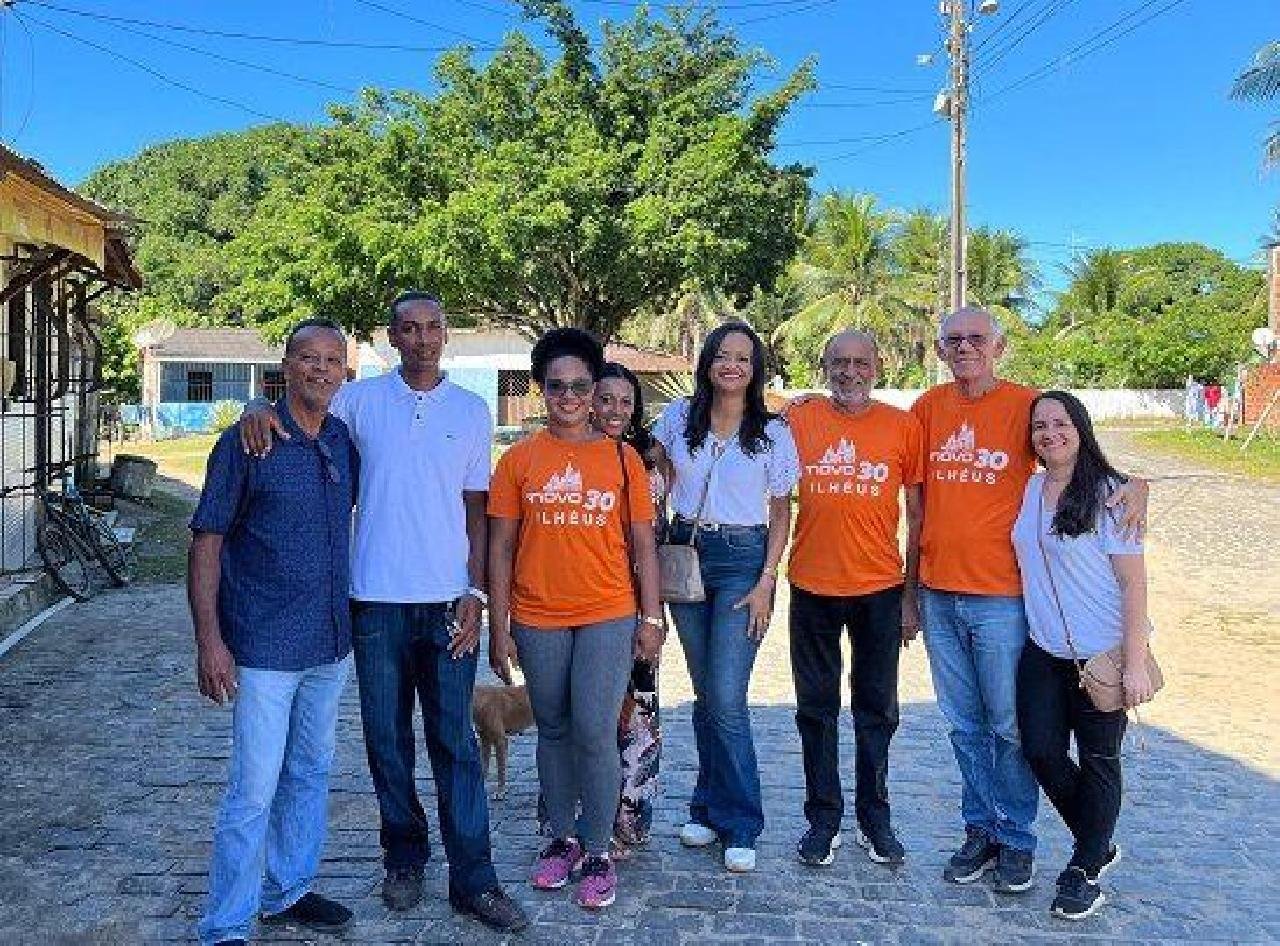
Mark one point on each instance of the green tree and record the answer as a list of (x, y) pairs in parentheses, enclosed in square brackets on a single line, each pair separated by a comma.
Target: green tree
[(578, 191), (1261, 82), (189, 199)]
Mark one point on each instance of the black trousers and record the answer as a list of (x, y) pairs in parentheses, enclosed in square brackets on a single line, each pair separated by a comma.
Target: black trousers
[(874, 624), (1053, 707)]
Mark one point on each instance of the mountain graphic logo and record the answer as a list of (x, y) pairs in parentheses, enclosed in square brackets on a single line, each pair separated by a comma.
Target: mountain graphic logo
[(570, 481), (842, 454), (962, 441)]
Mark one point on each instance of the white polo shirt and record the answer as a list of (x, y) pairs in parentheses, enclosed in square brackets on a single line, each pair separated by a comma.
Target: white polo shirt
[(418, 451)]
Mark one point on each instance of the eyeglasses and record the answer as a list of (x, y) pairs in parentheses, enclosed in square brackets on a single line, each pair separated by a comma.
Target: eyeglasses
[(556, 387), (955, 341), (330, 465)]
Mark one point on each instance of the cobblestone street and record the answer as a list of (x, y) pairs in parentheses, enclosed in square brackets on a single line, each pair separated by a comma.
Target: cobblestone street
[(114, 765)]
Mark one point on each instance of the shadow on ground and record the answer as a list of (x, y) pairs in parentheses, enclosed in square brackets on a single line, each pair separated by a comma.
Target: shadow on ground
[(113, 768)]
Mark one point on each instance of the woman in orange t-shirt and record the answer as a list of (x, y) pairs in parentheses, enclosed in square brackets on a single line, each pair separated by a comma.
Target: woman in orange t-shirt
[(569, 510)]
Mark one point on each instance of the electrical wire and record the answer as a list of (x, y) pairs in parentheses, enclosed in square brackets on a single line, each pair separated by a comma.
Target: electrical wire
[(1004, 24), (392, 11), (994, 56), (259, 67), (1090, 45), (252, 37), (177, 83), (31, 81)]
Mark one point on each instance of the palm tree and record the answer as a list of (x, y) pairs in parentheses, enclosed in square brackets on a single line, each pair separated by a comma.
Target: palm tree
[(1261, 82), (1001, 277), (922, 280), (844, 274), (1097, 278)]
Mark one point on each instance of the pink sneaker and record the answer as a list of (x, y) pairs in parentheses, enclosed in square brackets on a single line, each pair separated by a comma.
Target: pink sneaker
[(557, 861), (599, 884)]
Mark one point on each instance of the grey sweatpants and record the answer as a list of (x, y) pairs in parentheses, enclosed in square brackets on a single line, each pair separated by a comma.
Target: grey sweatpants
[(577, 678)]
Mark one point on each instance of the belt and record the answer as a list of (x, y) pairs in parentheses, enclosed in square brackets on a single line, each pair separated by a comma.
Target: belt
[(719, 526)]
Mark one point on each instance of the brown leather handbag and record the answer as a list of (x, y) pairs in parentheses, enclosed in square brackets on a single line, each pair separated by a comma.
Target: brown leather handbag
[(1102, 675)]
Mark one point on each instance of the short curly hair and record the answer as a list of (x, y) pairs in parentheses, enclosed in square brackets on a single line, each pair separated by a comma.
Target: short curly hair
[(566, 341)]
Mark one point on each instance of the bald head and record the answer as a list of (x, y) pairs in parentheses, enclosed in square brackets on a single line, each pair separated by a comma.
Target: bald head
[(971, 315), (851, 338)]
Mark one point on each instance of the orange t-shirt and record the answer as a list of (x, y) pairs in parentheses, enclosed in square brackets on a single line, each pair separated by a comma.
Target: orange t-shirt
[(852, 469), (571, 563), (977, 461)]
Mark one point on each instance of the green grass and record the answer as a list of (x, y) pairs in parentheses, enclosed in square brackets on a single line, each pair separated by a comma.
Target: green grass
[(181, 459), (161, 543), (1261, 461)]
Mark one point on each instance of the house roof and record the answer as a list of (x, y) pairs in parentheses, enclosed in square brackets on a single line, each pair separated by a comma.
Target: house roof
[(218, 344), (643, 361)]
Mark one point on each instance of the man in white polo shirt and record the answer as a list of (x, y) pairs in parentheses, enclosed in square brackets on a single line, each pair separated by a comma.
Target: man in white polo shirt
[(418, 590)]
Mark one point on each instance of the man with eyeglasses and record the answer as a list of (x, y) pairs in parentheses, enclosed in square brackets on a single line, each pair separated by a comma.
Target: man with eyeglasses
[(417, 592), (267, 583), (857, 457), (976, 463)]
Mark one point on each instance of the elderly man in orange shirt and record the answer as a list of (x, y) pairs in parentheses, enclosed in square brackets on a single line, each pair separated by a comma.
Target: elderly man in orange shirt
[(976, 465), (847, 575)]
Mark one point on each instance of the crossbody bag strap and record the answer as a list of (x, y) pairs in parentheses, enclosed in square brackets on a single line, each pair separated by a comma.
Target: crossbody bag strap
[(706, 491), (1053, 586), (625, 503)]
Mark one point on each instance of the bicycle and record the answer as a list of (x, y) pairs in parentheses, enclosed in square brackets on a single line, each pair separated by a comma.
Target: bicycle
[(73, 537)]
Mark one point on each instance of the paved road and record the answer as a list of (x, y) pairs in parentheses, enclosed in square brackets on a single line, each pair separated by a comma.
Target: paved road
[(113, 768)]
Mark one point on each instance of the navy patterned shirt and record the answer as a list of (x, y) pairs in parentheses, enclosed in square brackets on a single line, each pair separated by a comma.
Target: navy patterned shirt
[(286, 523)]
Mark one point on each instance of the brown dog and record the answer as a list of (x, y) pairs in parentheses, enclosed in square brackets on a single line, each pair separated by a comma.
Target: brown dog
[(499, 712)]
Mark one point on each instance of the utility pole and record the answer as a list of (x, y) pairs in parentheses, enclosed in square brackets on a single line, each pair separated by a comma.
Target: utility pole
[(958, 49)]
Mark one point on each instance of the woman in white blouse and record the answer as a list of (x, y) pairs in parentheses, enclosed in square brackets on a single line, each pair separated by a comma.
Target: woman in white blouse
[(732, 467)]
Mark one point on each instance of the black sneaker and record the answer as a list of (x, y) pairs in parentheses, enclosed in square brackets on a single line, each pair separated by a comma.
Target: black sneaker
[(493, 908), (1014, 869), (818, 847), (402, 887), (976, 856), (312, 912), (1078, 895), (882, 846)]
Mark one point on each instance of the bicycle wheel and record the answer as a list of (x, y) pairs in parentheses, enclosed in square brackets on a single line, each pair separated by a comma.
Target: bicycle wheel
[(111, 554), (66, 559)]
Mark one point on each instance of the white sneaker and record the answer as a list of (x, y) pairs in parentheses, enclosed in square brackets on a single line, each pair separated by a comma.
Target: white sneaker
[(693, 834), (740, 860)]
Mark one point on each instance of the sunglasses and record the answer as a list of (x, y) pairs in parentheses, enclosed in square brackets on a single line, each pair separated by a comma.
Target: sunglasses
[(330, 465), (555, 387)]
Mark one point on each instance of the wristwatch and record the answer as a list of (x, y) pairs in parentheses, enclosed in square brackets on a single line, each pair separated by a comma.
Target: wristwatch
[(479, 595)]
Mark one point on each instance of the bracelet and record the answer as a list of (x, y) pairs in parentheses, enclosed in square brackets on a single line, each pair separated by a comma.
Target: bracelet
[(655, 622), (772, 572), (479, 595)]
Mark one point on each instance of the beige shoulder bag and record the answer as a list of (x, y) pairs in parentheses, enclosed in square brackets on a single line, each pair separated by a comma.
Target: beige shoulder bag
[(679, 569), (1102, 675)]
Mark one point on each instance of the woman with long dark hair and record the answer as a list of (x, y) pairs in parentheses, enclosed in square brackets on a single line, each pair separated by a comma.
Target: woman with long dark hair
[(733, 466), (1085, 593), (569, 513), (618, 412)]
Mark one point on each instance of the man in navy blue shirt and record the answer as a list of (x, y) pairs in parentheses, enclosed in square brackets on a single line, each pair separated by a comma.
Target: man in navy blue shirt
[(267, 581)]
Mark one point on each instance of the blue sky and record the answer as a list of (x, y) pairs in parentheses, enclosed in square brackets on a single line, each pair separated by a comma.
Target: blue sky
[(1133, 144)]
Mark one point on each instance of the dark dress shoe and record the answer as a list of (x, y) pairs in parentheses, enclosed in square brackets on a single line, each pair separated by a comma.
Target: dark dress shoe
[(493, 908), (312, 912)]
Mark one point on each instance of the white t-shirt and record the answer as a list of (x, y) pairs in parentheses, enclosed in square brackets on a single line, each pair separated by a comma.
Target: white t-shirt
[(1082, 572), (741, 484), (419, 450)]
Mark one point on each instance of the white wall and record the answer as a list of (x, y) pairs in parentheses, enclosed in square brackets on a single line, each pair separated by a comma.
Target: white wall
[(1103, 404)]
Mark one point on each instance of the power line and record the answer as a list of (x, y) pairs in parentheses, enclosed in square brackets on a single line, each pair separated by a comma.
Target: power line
[(177, 83), (1090, 45), (790, 11), (706, 7), (259, 67), (876, 141), (31, 81), (1055, 7), (252, 37), (392, 11), (1004, 24), (920, 93)]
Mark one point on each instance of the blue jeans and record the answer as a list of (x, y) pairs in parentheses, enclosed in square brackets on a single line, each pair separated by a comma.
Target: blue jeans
[(974, 644), (402, 650), (272, 819), (720, 655)]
